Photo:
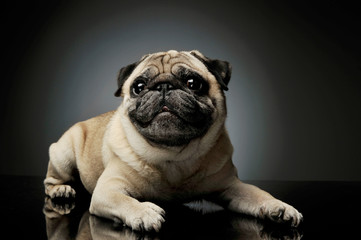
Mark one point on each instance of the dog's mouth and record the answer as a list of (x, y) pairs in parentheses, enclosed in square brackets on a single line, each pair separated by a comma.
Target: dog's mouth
[(165, 109), (165, 114)]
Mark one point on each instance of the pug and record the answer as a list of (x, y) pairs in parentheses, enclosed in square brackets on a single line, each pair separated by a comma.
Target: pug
[(166, 142)]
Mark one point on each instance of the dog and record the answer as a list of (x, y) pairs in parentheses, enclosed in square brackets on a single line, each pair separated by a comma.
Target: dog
[(165, 142)]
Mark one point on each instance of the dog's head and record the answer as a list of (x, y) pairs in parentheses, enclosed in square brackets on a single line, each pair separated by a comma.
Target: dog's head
[(174, 97)]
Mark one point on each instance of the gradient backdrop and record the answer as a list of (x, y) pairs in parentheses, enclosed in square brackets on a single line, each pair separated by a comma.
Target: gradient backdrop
[(295, 94)]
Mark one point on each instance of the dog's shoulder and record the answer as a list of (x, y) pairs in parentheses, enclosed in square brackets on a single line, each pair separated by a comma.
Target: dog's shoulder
[(95, 123), (89, 131), (101, 119)]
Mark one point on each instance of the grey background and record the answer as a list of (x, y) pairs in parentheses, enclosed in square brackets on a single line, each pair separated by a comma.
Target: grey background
[(294, 100)]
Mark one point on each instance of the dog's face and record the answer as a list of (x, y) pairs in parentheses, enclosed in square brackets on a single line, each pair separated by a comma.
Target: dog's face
[(174, 97)]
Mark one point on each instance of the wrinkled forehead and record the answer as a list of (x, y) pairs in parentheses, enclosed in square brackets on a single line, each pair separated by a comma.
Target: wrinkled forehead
[(171, 62)]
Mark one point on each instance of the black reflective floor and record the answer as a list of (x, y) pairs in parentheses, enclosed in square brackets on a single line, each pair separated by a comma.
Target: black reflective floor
[(331, 210)]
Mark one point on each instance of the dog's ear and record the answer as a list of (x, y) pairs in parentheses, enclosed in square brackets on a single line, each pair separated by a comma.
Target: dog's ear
[(221, 70), (124, 73)]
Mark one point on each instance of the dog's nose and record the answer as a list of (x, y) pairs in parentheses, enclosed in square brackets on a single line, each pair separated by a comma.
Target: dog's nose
[(164, 87)]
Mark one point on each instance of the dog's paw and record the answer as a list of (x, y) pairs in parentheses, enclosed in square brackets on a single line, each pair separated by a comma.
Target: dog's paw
[(286, 234), (279, 211), (147, 217), (60, 191), (54, 208)]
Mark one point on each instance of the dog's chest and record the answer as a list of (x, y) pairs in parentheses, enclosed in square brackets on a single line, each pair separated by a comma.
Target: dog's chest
[(177, 180)]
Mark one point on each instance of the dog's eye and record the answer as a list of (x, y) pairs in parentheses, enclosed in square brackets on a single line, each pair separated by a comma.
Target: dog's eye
[(138, 87), (194, 84)]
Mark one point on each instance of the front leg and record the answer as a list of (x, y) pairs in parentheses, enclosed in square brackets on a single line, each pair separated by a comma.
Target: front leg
[(60, 169), (249, 199), (111, 199)]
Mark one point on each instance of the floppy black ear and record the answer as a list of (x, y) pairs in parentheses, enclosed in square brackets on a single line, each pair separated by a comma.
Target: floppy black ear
[(222, 70), (124, 73)]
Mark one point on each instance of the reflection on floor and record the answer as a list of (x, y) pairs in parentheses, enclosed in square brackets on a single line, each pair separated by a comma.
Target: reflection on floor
[(70, 219), (330, 209)]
